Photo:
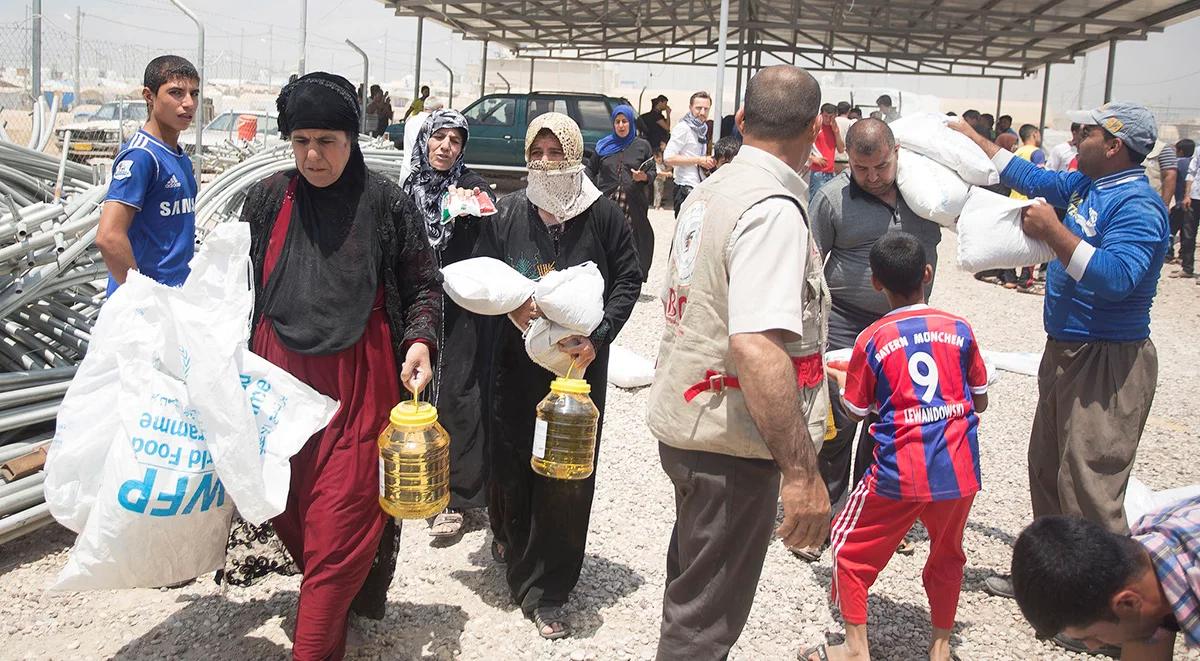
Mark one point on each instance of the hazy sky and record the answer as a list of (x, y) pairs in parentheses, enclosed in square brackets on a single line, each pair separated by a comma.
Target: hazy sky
[(1160, 71)]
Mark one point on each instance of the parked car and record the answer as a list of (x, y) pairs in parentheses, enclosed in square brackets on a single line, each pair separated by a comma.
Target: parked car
[(498, 123), (224, 130), (104, 131)]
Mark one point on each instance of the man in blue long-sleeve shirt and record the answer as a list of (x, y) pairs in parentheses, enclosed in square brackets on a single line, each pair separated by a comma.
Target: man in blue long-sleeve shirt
[(1097, 377)]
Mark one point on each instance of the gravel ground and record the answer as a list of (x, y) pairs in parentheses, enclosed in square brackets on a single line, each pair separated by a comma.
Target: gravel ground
[(451, 602)]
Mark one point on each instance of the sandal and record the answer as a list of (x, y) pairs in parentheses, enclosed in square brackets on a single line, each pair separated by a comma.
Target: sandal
[(553, 618), (498, 552), (447, 524), (906, 547), (808, 553), (818, 650)]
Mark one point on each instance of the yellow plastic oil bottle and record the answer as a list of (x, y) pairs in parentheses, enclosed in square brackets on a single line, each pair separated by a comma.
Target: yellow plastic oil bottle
[(414, 462), (564, 437)]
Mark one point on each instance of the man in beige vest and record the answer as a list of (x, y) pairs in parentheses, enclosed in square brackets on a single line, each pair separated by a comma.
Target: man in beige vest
[(739, 398)]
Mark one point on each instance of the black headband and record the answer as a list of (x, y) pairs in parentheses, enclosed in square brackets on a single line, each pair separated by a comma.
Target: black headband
[(318, 100)]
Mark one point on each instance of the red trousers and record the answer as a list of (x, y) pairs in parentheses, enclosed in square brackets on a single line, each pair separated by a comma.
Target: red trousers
[(865, 536)]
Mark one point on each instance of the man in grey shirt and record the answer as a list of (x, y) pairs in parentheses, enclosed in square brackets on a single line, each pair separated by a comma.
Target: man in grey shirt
[(847, 216)]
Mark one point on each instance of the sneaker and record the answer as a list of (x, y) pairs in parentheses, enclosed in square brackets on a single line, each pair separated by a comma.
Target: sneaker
[(1078, 646), (999, 586)]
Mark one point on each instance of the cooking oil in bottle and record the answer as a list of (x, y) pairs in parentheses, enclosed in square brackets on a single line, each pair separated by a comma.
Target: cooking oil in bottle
[(414, 463), (564, 437)]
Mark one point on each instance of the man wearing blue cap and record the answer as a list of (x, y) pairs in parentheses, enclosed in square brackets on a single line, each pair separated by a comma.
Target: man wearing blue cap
[(1097, 377)]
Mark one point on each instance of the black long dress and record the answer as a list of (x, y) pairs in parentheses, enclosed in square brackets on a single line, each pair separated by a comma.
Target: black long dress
[(543, 522), (614, 178), (458, 391)]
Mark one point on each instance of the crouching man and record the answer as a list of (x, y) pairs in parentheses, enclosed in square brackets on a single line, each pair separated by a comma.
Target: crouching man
[(1115, 594)]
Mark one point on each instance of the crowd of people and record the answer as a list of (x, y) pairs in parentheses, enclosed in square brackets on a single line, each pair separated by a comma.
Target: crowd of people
[(791, 239)]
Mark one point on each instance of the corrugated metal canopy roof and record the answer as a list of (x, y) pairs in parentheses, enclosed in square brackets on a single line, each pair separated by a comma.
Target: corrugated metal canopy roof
[(994, 38)]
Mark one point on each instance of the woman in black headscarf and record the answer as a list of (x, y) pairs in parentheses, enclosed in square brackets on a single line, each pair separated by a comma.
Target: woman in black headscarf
[(439, 167), (346, 300)]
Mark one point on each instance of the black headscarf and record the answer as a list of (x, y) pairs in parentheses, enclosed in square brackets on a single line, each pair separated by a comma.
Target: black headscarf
[(324, 285), (425, 185)]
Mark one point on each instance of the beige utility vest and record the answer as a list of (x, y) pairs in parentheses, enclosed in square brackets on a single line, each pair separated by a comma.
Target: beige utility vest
[(696, 337)]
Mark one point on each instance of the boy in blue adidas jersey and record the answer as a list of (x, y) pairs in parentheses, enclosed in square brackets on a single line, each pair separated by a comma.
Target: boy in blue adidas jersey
[(148, 223)]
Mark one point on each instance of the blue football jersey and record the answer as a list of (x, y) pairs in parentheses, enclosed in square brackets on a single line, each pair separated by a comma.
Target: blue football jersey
[(157, 181)]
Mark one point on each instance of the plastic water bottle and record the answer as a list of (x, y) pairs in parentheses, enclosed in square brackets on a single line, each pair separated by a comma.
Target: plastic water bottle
[(414, 462), (564, 436)]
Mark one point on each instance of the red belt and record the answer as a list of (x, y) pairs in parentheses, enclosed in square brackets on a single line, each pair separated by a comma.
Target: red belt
[(810, 372)]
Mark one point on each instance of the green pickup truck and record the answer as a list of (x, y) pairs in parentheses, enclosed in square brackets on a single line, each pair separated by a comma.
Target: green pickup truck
[(498, 123)]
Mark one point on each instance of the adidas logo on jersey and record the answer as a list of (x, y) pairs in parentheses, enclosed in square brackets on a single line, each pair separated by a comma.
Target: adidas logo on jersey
[(173, 182)]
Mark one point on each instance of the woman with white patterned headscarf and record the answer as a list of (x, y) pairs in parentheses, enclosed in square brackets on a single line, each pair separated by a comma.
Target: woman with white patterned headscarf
[(438, 168), (560, 220)]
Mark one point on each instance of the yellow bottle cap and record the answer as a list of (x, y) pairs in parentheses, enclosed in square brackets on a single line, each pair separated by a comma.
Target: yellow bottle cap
[(414, 414), (571, 386)]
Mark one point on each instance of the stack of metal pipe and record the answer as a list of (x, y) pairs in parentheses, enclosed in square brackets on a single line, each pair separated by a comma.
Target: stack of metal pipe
[(51, 289)]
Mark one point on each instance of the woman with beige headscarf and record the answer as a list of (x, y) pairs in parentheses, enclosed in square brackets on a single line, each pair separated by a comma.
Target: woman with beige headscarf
[(560, 220)]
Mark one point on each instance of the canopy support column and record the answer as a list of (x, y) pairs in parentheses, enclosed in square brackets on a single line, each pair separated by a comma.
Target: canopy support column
[(999, 96), (719, 97), (1045, 93), (420, 43), (741, 58), (483, 74), (1108, 74), (532, 62)]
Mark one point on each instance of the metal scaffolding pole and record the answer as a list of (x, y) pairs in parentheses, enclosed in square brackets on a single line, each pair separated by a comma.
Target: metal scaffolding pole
[(303, 34), (507, 85), (1108, 74), (532, 61), (197, 156), (999, 96), (1045, 93), (450, 96), (35, 52), (483, 74), (78, 43), (719, 97), (420, 43), (365, 81)]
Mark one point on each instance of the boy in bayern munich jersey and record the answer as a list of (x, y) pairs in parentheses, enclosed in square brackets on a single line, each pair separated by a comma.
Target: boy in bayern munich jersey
[(920, 369)]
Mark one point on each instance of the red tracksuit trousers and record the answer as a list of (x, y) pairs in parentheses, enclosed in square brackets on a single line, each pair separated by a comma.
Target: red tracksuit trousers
[(865, 536)]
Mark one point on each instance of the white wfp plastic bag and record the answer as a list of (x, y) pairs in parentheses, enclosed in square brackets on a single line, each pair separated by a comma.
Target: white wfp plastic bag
[(488, 286), (627, 369), (573, 297), (927, 133), (932, 190), (157, 514), (161, 515), (990, 235)]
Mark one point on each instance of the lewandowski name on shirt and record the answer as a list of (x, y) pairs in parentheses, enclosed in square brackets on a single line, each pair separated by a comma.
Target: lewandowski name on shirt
[(925, 414), (923, 337)]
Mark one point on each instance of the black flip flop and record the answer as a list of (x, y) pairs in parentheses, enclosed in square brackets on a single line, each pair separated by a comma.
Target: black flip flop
[(498, 553), (546, 617)]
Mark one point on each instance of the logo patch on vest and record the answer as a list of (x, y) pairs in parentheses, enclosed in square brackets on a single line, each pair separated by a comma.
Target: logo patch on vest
[(687, 242)]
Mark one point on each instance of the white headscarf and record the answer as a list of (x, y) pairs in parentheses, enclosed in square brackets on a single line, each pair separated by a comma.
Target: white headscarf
[(560, 188)]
